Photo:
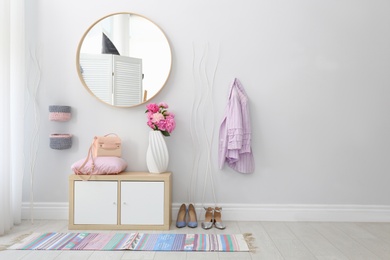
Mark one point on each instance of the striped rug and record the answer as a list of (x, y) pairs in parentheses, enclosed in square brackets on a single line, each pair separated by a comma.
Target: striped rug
[(133, 241)]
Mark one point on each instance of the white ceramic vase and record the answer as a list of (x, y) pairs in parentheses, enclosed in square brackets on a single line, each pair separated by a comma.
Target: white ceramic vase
[(157, 157)]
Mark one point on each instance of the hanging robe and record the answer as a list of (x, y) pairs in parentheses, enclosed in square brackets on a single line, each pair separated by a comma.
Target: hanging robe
[(235, 132)]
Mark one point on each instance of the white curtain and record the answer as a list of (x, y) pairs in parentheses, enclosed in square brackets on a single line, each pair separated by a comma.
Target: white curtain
[(12, 84)]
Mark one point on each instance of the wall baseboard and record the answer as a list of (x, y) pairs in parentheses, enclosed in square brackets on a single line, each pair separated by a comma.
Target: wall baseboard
[(249, 212), (45, 210)]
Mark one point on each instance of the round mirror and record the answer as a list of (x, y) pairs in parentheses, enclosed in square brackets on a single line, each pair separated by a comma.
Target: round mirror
[(124, 59)]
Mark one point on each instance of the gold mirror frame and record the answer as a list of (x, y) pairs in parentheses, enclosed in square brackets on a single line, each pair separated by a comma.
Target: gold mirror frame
[(145, 96)]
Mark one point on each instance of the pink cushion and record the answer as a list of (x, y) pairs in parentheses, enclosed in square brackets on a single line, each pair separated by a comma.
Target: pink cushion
[(103, 165)]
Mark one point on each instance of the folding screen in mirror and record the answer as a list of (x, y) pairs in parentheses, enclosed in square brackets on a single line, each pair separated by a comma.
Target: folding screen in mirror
[(124, 59)]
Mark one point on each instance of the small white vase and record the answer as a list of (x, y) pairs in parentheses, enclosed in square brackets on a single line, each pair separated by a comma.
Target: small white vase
[(157, 157)]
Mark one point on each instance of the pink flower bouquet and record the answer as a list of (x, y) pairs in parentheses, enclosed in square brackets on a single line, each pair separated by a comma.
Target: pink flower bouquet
[(159, 119)]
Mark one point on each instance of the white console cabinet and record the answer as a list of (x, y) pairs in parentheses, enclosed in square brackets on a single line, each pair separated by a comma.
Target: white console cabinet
[(130, 200)]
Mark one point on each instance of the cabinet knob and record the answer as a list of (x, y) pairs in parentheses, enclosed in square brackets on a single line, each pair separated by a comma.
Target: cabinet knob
[(114, 203), (124, 203)]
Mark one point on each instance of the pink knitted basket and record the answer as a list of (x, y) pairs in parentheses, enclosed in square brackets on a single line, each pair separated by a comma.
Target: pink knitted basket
[(59, 113), (60, 141)]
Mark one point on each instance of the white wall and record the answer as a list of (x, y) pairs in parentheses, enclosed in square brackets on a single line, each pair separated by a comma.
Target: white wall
[(316, 72)]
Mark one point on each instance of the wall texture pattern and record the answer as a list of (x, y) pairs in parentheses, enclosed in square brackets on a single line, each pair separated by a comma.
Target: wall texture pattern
[(316, 72)]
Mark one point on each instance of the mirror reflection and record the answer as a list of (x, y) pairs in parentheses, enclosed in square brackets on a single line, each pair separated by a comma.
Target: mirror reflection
[(124, 59)]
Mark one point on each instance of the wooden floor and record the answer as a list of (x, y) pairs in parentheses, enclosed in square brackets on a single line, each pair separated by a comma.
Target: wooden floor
[(272, 240)]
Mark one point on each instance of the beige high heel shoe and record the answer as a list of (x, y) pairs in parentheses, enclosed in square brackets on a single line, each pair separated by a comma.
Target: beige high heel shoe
[(208, 219), (217, 218)]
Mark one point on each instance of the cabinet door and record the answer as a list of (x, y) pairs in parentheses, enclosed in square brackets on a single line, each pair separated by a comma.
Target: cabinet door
[(142, 203), (95, 202)]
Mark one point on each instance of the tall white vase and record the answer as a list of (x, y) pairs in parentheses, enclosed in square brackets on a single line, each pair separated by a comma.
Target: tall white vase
[(157, 157)]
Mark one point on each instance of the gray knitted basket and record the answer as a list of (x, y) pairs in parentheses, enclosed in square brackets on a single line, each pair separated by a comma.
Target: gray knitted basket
[(59, 113), (60, 141)]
